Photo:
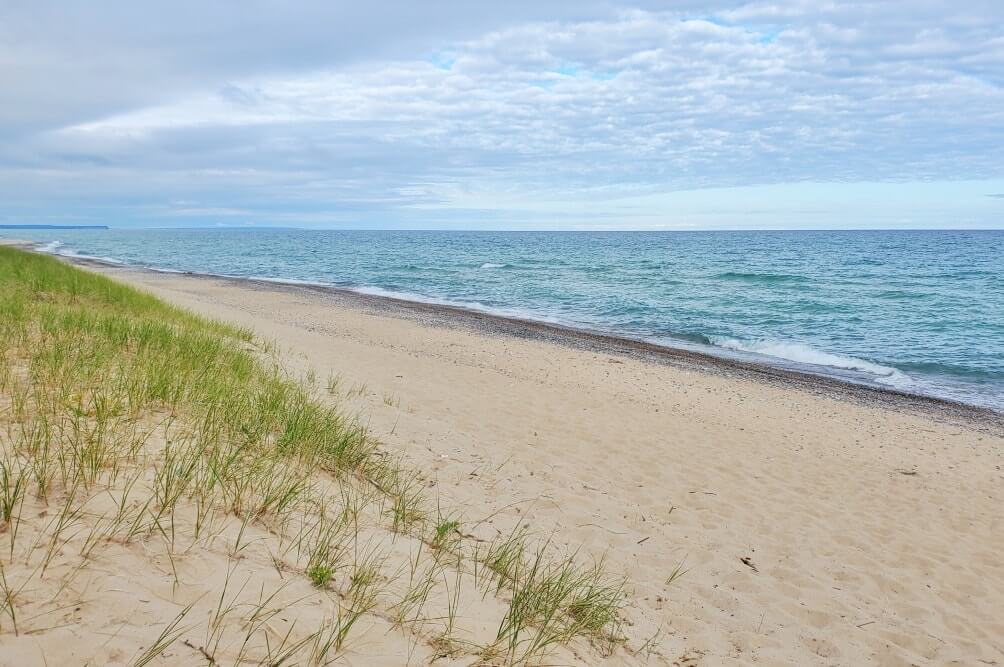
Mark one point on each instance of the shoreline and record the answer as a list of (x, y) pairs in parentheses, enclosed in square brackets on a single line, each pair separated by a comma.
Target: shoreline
[(469, 319)]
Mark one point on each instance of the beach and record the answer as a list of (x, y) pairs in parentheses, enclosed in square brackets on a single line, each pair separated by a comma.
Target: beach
[(758, 518), (519, 334)]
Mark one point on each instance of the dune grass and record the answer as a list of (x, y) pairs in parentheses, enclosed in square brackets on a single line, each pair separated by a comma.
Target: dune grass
[(126, 421)]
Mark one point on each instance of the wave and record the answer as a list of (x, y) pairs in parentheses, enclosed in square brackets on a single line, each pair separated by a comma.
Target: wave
[(402, 295), (804, 354), (56, 248), (476, 306), (280, 281), (50, 247), (762, 277), (493, 265)]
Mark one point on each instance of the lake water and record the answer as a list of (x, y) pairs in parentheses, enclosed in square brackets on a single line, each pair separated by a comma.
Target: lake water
[(921, 311)]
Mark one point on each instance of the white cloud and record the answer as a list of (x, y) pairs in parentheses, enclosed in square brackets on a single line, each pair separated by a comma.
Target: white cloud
[(625, 101)]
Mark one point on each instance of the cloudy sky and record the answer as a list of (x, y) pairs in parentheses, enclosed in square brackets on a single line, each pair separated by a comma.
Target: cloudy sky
[(522, 114)]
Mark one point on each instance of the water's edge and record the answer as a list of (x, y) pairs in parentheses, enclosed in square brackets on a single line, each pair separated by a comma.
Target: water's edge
[(486, 323)]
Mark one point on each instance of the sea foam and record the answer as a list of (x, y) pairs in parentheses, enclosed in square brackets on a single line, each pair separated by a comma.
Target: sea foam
[(804, 354), (50, 247)]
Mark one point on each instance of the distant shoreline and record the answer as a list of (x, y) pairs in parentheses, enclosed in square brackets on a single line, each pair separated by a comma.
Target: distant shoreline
[(456, 317), (56, 227), (542, 230)]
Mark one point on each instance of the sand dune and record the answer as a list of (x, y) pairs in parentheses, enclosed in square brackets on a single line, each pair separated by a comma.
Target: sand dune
[(756, 523)]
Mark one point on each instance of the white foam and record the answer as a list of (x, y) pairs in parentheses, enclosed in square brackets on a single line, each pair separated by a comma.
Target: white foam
[(493, 265), (97, 258), (56, 248), (50, 247), (282, 281), (475, 306), (804, 354), (411, 296)]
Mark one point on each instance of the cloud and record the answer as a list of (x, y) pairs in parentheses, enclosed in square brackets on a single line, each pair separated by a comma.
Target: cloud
[(337, 115)]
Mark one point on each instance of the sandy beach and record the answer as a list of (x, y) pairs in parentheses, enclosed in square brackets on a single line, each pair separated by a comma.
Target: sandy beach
[(758, 518), (512, 334)]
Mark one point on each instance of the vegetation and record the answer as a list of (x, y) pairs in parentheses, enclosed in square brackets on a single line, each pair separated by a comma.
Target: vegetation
[(133, 432)]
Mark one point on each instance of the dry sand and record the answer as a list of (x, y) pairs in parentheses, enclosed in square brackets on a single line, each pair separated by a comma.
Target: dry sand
[(813, 525)]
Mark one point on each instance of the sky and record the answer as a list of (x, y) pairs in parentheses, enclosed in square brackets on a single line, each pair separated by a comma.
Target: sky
[(591, 114)]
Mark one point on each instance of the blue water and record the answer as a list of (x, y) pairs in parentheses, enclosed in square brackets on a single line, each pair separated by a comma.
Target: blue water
[(920, 311)]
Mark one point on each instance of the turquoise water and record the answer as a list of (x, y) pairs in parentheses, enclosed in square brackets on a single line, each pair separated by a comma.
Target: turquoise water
[(920, 311)]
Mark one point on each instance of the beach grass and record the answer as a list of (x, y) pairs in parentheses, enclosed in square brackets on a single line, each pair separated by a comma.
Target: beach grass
[(129, 427)]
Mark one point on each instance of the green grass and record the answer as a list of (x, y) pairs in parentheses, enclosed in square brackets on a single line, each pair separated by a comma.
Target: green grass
[(91, 370), (445, 533), (112, 351)]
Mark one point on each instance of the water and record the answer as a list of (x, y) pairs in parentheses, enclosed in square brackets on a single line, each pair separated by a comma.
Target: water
[(920, 311)]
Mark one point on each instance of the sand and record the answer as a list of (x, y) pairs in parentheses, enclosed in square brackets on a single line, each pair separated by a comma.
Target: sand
[(808, 523)]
